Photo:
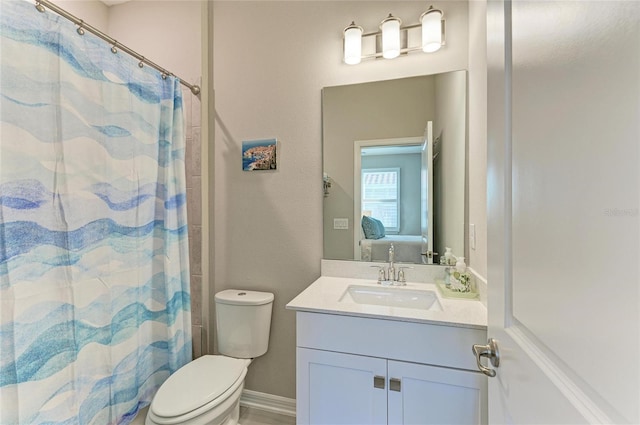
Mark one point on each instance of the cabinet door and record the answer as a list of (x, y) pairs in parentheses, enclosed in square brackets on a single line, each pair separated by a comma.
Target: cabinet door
[(335, 388), (420, 394)]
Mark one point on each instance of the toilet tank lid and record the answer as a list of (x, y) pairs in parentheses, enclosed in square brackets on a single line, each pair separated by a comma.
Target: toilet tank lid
[(242, 297)]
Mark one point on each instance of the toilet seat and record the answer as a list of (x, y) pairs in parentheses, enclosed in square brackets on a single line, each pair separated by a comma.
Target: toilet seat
[(198, 387)]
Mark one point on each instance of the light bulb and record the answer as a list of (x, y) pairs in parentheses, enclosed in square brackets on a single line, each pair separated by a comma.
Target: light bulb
[(352, 44), (390, 27), (431, 21)]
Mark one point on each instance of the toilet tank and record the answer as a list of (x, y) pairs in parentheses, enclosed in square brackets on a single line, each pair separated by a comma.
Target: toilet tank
[(243, 322)]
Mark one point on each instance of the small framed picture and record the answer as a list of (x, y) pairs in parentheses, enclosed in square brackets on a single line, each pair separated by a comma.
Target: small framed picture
[(259, 155)]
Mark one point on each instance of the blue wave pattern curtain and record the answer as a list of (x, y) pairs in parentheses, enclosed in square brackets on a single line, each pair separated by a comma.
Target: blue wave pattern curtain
[(94, 279)]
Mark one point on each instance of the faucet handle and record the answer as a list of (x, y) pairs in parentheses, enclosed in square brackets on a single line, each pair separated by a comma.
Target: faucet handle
[(401, 277), (381, 274)]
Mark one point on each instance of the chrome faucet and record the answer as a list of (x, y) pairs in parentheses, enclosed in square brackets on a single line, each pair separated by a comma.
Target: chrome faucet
[(388, 277), (391, 271)]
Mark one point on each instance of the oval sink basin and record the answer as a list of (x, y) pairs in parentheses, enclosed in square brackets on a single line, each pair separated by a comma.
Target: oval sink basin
[(391, 297)]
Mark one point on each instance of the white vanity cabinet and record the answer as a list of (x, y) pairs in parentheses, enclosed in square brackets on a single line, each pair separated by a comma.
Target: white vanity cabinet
[(358, 370), (423, 394), (338, 388)]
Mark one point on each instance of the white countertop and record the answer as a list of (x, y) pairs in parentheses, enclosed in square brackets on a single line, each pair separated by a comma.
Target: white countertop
[(323, 296)]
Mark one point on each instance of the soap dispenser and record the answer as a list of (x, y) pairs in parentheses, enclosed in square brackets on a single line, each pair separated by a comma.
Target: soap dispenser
[(461, 266), (448, 257), (460, 281)]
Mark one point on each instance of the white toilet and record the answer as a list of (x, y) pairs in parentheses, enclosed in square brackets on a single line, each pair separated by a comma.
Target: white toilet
[(207, 390)]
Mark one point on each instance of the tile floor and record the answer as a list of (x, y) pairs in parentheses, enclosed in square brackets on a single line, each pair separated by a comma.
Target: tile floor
[(248, 416)]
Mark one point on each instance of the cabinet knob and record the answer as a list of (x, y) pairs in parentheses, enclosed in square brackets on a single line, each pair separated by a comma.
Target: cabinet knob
[(394, 384), (378, 382)]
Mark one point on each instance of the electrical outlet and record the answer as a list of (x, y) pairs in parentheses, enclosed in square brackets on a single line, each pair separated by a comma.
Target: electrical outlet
[(472, 236), (341, 224)]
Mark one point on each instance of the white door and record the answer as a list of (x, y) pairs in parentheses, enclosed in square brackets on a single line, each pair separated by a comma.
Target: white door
[(563, 198), (423, 395), (426, 194), (336, 388)]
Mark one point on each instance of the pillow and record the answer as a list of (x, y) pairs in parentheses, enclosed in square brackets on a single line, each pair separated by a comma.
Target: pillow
[(372, 228)]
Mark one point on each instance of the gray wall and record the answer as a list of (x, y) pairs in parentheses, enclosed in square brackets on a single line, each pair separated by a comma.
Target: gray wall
[(477, 135)]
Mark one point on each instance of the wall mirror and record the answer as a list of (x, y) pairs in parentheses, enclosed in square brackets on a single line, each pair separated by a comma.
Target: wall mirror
[(395, 151)]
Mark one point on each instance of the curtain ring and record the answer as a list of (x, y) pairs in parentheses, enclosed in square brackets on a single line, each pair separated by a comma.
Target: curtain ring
[(141, 63), (114, 49), (39, 7), (164, 75), (80, 30)]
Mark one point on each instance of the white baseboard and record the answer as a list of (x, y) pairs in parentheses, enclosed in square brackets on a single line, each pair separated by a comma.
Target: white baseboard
[(269, 402)]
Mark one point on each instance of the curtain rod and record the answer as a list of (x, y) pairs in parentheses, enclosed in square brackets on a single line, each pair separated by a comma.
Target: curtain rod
[(40, 5)]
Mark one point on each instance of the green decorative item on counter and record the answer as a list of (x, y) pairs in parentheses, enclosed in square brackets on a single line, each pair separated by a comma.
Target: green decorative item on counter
[(465, 281), (449, 292)]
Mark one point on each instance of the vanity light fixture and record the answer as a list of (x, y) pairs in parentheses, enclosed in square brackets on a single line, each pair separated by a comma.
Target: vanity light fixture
[(392, 39)]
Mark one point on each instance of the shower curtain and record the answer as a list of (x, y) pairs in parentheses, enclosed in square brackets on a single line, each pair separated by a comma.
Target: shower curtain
[(94, 279)]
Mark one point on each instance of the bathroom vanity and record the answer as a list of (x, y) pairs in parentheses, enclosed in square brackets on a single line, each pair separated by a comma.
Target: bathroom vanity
[(373, 355)]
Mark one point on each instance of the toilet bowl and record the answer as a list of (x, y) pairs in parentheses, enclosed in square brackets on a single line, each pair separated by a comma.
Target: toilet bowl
[(188, 398), (207, 391)]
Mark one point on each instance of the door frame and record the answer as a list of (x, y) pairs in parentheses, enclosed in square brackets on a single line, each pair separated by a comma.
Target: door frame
[(357, 184)]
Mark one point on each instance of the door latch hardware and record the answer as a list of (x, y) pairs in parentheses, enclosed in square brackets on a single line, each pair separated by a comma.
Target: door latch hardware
[(491, 352)]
